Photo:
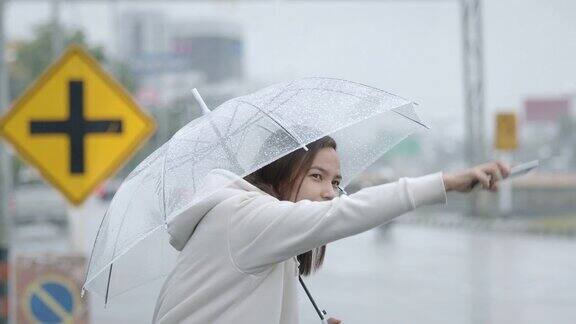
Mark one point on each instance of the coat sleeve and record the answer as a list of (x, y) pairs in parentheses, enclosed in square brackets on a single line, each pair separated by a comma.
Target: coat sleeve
[(263, 231)]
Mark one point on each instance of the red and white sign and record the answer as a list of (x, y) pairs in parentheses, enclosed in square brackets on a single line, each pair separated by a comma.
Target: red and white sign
[(48, 289), (546, 109)]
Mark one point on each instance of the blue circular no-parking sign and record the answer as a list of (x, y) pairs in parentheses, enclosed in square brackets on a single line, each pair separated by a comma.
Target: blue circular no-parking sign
[(51, 300)]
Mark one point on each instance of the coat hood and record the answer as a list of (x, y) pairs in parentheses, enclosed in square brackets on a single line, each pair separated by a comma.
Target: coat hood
[(219, 185)]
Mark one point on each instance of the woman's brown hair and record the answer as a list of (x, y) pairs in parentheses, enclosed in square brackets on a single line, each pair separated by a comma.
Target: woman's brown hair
[(281, 176)]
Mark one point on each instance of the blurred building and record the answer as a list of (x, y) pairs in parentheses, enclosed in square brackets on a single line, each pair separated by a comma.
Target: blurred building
[(142, 34), (170, 58), (214, 49), (547, 131)]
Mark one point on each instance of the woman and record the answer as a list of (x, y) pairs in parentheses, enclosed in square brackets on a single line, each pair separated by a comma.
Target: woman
[(243, 248)]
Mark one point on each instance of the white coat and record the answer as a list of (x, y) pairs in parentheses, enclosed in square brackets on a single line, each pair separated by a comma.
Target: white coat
[(238, 246)]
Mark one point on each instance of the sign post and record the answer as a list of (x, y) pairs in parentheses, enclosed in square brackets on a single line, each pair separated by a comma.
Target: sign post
[(5, 186), (506, 142)]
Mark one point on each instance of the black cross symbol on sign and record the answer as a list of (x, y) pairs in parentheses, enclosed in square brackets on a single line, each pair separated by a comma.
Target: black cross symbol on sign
[(76, 127)]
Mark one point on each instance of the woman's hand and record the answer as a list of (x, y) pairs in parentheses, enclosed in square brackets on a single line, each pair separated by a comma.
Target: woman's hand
[(332, 320), (488, 175)]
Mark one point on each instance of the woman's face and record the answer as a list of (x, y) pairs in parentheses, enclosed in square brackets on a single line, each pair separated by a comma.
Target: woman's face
[(321, 181)]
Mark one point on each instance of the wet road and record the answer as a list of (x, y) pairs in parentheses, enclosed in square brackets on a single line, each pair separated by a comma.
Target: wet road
[(415, 274)]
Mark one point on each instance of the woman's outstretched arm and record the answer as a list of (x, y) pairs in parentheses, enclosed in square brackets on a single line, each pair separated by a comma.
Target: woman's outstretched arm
[(263, 230)]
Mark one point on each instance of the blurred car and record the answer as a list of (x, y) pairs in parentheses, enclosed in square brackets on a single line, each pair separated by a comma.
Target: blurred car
[(107, 190), (29, 176), (39, 203)]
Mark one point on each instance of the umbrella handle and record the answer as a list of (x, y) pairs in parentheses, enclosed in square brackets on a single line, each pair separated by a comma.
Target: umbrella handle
[(325, 317)]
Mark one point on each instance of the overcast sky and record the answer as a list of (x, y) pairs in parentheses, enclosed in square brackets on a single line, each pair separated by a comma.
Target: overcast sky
[(412, 48)]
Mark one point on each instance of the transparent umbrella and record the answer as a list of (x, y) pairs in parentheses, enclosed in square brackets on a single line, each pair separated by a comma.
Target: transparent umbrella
[(131, 247)]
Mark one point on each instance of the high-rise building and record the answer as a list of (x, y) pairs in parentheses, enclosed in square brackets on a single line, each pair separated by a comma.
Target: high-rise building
[(142, 34), (213, 48)]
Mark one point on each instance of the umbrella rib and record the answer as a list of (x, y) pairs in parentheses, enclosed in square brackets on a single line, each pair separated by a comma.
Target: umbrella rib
[(193, 182), (251, 120), (108, 285), (93, 247), (116, 244), (141, 167), (197, 141), (412, 119), (256, 116), (279, 124), (162, 177), (191, 156), (269, 131), (115, 241), (281, 92), (296, 92), (242, 139), (360, 84), (126, 249), (226, 148), (231, 120)]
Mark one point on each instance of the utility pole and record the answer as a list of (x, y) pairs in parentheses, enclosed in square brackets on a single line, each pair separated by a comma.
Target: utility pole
[(6, 183), (473, 49), (474, 147), (57, 30)]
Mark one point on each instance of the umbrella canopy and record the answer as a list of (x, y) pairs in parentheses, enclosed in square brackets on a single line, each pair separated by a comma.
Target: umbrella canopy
[(241, 136)]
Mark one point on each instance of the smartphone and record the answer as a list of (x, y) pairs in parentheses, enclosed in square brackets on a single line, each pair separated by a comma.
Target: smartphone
[(522, 169)]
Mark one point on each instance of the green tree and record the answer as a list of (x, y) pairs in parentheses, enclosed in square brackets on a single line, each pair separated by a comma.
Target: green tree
[(32, 57)]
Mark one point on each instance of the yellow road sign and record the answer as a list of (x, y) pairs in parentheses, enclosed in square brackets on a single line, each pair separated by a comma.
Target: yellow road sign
[(506, 131), (76, 125)]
